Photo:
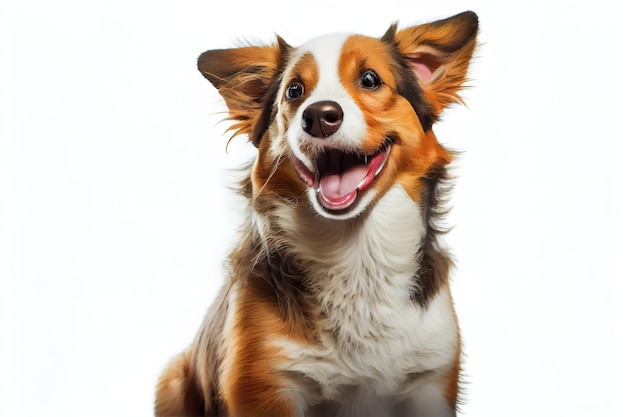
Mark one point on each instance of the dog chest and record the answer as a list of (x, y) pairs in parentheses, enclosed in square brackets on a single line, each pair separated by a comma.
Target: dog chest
[(371, 331), (381, 352)]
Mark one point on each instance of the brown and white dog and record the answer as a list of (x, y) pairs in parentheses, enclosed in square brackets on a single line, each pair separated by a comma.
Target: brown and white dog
[(337, 301)]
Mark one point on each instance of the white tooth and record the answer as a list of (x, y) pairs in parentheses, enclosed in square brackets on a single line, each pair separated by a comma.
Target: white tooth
[(365, 159)]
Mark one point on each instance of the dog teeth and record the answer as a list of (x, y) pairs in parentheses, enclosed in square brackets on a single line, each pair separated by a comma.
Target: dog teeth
[(365, 158)]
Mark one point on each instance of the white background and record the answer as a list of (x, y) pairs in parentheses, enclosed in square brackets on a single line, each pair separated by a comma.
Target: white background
[(114, 215)]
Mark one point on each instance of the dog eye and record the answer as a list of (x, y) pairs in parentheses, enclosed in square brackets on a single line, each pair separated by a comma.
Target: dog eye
[(294, 91), (370, 80)]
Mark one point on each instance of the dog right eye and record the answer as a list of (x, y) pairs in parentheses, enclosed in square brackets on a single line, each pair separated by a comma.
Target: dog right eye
[(294, 91)]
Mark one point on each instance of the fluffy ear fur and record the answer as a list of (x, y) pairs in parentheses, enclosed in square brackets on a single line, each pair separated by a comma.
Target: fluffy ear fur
[(439, 54), (246, 78)]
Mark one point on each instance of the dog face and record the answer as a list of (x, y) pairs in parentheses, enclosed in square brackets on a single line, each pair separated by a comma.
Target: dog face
[(342, 118)]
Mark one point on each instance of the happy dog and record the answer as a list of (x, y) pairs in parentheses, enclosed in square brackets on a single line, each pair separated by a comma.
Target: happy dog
[(337, 301)]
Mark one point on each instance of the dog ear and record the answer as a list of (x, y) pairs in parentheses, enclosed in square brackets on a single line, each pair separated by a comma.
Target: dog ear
[(439, 54), (245, 77)]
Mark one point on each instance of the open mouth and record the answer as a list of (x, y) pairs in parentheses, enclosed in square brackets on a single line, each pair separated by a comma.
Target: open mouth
[(342, 175)]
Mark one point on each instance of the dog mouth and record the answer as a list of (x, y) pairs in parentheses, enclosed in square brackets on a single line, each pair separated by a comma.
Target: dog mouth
[(340, 175)]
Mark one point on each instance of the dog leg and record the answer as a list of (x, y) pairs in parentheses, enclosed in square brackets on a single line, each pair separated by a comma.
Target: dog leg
[(429, 400), (259, 397), (178, 393)]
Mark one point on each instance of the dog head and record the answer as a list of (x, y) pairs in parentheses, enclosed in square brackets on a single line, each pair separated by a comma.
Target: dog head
[(342, 118)]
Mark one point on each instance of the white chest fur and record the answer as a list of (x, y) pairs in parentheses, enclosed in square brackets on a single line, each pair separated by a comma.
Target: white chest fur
[(373, 334)]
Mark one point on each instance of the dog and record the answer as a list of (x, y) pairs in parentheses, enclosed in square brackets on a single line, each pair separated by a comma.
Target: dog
[(337, 301)]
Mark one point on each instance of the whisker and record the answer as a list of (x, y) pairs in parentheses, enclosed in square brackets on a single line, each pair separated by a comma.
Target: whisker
[(274, 169)]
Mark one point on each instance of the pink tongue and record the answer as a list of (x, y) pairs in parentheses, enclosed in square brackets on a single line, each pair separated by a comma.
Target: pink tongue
[(338, 191)]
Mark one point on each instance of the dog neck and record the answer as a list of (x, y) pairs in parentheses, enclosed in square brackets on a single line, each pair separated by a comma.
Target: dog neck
[(392, 245)]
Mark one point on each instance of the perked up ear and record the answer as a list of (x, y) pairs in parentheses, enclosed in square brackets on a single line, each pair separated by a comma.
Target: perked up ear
[(439, 54), (245, 78)]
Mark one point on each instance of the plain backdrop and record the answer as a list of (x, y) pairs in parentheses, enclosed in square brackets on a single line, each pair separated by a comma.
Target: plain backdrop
[(115, 215)]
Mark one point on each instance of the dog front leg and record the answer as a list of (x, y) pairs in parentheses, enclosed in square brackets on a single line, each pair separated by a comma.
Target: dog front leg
[(259, 398), (429, 400)]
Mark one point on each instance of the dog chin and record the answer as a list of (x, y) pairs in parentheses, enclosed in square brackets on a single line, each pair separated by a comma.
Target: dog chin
[(361, 202)]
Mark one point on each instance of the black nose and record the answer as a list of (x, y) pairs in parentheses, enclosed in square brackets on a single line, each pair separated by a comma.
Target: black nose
[(322, 119)]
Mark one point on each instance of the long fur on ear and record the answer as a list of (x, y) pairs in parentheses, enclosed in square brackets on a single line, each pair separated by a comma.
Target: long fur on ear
[(244, 77), (439, 54)]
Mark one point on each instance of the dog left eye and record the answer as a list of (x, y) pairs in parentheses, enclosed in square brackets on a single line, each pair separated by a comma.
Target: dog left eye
[(370, 80)]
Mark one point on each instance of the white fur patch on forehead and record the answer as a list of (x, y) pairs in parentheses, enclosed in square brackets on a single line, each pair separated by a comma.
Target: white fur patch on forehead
[(327, 52), (326, 49)]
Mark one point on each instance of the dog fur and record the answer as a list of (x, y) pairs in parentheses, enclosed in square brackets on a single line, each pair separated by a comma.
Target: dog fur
[(337, 301)]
